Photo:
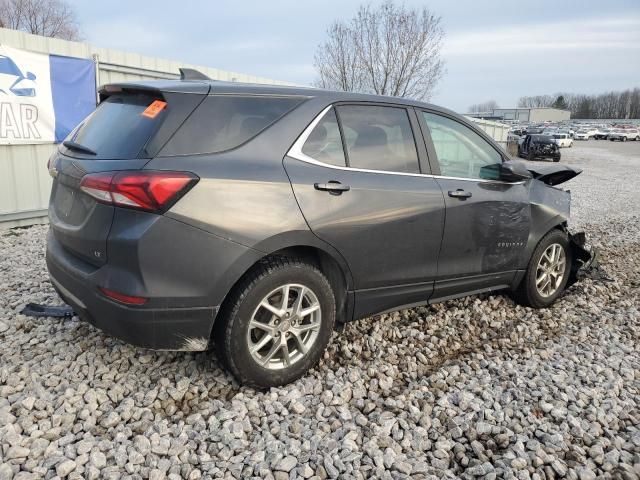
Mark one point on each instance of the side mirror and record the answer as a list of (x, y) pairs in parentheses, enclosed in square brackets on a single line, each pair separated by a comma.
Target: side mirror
[(510, 171), (31, 76), (514, 171)]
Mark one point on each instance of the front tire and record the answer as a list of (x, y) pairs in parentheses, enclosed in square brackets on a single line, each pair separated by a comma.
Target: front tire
[(547, 273), (276, 324)]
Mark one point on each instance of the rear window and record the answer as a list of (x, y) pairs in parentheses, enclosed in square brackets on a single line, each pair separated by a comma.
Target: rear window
[(223, 122), (121, 126)]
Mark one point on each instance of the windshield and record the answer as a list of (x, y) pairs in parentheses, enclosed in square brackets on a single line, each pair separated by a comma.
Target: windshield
[(542, 139)]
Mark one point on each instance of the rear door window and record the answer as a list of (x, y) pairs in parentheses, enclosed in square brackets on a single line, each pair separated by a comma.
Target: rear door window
[(379, 138), (120, 127), (223, 122), (324, 142)]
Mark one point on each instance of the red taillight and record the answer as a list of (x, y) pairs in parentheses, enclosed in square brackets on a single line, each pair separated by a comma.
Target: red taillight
[(145, 190), (122, 298)]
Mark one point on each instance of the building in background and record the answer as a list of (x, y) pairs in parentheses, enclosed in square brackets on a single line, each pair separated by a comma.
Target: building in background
[(533, 115)]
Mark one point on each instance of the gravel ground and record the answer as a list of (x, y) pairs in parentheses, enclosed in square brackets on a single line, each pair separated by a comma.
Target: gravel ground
[(473, 388)]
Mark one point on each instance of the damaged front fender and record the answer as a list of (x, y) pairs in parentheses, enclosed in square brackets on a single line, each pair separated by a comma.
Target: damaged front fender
[(583, 259)]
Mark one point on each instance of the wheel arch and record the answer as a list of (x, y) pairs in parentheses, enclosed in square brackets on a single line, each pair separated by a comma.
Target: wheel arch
[(537, 233), (314, 251)]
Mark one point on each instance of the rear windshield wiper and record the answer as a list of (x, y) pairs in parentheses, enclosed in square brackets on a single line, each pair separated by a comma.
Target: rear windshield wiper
[(78, 147)]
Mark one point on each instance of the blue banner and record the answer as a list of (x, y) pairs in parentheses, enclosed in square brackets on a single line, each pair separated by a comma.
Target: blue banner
[(73, 89), (43, 97)]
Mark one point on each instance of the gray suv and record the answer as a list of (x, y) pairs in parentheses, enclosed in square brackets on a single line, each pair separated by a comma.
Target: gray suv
[(257, 218)]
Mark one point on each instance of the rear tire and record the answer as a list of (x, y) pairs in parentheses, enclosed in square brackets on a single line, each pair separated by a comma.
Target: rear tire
[(624, 139), (274, 345), (534, 291)]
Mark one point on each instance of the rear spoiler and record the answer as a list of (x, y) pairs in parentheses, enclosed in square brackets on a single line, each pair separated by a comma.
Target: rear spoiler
[(199, 83)]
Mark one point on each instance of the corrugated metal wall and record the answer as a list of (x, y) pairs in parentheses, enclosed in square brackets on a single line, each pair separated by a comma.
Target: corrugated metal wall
[(24, 180), (496, 130)]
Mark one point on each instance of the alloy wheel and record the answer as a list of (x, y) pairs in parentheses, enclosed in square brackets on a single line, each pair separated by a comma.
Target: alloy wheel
[(551, 270), (284, 326)]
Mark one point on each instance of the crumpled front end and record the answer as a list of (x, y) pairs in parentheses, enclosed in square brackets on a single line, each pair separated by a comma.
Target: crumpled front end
[(545, 149), (584, 259)]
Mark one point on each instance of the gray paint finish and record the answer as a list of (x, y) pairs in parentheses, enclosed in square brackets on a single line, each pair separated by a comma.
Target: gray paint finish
[(396, 239)]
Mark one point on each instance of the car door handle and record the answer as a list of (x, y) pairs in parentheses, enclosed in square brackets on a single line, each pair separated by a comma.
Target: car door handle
[(461, 194), (336, 188)]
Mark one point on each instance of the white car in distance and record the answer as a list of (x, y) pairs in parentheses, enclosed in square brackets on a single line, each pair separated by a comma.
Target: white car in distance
[(563, 140), (582, 135), (624, 134)]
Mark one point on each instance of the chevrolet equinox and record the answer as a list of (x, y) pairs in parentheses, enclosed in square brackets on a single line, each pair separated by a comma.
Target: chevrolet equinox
[(257, 218)]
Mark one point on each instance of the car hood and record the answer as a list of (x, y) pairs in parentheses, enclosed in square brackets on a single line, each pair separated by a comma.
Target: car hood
[(553, 174)]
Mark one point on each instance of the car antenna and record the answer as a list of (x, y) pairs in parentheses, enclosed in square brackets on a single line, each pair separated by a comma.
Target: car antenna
[(192, 74)]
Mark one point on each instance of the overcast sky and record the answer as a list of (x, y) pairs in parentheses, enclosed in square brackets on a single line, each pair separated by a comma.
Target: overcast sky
[(493, 49)]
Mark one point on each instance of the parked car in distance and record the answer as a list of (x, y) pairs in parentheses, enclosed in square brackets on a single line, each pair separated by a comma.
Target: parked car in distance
[(624, 134), (256, 218), (563, 140), (582, 135), (535, 147), (602, 133)]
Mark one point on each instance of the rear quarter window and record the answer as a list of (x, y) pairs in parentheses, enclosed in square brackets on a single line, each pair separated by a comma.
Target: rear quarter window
[(224, 122)]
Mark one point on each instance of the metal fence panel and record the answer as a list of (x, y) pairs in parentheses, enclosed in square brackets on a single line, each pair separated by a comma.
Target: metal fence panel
[(496, 130)]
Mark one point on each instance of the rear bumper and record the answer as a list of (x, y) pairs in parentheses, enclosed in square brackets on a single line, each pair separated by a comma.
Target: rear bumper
[(166, 328)]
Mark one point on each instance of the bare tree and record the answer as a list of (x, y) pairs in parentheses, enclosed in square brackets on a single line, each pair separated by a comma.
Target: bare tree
[(610, 105), (337, 61), (536, 101), (388, 50), (487, 106), (49, 18)]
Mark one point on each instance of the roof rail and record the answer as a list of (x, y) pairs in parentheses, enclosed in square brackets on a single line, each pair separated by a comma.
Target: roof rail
[(192, 74)]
